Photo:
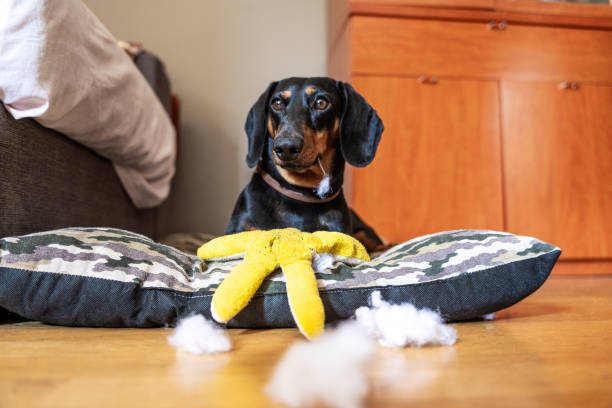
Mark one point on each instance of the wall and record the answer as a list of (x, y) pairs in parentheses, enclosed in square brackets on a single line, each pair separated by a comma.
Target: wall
[(220, 55)]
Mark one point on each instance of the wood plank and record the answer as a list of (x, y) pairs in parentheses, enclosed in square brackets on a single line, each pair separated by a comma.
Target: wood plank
[(603, 21), (337, 19), (373, 5), (396, 46), (587, 267), (340, 58), (558, 165), (438, 166), (559, 8), (552, 349)]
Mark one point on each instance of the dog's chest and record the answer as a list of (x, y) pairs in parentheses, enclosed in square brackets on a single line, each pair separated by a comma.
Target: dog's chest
[(278, 211)]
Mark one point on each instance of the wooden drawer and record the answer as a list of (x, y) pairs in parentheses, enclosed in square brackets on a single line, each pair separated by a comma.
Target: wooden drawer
[(404, 46)]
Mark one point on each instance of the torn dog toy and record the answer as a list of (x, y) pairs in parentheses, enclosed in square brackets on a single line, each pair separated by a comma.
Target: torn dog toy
[(264, 251)]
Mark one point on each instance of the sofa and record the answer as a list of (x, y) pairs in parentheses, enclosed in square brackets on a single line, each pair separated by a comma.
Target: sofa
[(50, 181)]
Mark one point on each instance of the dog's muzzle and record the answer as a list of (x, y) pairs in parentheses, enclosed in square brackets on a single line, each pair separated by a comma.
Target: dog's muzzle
[(288, 149)]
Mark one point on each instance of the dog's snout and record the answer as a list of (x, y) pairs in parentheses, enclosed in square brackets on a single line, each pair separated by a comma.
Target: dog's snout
[(288, 148)]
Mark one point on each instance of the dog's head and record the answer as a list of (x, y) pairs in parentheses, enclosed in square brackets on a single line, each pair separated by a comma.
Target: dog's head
[(309, 123)]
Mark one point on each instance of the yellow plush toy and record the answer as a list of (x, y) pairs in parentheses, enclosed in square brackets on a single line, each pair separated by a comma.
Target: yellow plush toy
[(264, 251)]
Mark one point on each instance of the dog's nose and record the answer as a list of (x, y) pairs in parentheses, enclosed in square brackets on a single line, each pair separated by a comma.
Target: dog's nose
[(288, 148)]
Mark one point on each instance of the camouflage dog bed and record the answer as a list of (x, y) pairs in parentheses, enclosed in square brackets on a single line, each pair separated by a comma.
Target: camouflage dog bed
[(113, 278)]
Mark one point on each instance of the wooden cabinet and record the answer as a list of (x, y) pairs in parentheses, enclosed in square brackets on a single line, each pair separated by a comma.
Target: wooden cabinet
[(514, 132)]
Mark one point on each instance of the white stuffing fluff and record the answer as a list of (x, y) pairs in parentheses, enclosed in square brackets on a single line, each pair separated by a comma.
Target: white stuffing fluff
[(330, 370), (490, 316), (194, 334), (324, 186), (402, 325), (322, 262)]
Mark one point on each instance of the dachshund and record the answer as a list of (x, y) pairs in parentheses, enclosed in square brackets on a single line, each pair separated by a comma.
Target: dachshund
[(301, 131)]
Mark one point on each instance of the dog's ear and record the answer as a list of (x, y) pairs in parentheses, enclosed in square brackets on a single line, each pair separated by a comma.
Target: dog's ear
[(360, 127), (256, 128)]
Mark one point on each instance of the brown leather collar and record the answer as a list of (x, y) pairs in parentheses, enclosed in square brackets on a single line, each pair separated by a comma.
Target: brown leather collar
[(291, 193)]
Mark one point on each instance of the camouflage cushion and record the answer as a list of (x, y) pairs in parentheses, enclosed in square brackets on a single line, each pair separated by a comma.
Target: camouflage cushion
[(114, 278)]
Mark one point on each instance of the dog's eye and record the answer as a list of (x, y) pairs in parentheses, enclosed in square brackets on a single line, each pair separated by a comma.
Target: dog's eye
[(277, 104), (320, 103)]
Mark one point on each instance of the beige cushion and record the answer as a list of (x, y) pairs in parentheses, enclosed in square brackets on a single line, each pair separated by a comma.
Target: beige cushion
[(62, 67)]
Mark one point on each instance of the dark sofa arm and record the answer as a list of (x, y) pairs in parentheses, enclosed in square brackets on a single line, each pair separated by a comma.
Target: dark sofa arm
[(49, 181)]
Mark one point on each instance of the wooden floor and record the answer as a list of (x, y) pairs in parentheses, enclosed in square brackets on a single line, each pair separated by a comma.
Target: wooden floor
[(553, 349)]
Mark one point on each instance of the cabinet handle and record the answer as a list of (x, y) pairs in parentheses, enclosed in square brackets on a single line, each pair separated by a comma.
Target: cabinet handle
[(497, 25), (431, 80), (569, 85)]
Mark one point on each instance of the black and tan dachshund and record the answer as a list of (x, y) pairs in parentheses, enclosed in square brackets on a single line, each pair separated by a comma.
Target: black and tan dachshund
[(301, 131)]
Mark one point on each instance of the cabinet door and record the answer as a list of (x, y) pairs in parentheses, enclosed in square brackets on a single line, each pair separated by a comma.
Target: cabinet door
[(558, 165), (438, 166)]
